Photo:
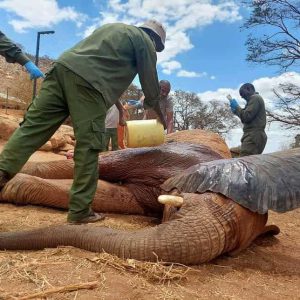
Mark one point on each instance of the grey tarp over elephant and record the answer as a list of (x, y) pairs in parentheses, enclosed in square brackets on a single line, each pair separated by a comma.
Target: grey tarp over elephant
[(205, 226)]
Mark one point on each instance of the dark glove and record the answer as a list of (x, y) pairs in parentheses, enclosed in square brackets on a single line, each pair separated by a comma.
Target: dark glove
[(233, 105), (33, 70)]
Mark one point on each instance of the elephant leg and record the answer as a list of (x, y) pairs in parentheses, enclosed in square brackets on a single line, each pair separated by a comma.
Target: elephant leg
[(25, 189), (57, 169)]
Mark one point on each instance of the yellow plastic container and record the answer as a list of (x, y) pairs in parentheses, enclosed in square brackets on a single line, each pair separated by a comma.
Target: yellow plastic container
[(144, 133)]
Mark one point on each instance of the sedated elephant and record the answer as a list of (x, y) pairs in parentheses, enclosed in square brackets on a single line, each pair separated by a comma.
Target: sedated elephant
[(195, 230)]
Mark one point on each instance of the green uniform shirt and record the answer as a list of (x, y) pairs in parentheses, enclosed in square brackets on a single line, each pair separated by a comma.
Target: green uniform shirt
[(11, 51), (253, 116), (110, 58)]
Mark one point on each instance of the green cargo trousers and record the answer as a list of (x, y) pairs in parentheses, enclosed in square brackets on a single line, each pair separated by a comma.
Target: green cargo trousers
[(63, 93), (253, 142), (111, 134)]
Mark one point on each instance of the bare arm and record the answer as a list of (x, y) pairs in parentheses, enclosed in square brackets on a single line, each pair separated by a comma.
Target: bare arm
[(121, 113), (170, 126)]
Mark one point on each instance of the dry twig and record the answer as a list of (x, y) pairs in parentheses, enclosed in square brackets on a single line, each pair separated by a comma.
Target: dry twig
[(63, 289)]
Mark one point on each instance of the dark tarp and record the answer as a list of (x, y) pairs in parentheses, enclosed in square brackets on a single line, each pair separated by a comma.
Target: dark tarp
[(258, 182)]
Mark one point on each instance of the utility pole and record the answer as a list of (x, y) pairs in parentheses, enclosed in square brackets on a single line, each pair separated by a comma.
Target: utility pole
[(37, 56)]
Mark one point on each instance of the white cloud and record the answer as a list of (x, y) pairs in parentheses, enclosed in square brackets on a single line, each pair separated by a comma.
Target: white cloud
[(212, 77), (170, 66), (265, 86), (43, 13), (178, 16), (184, 73), (277, 137), (219, 95)]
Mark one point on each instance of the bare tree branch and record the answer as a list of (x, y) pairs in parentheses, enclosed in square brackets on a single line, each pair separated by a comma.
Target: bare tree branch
[(281, 46)]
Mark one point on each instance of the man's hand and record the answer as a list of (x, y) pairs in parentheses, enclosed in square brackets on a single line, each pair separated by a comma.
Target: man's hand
[(33, 70)]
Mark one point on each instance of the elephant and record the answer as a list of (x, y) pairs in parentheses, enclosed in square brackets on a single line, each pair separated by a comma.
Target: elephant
[(201, 226)]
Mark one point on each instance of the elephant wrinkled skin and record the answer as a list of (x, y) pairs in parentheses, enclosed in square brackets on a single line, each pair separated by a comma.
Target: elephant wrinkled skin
[(205, 226)]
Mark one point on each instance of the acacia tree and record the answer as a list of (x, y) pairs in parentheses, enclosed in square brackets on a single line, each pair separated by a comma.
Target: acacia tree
[(192, 113), (132, 92), (185, 106), (279, 46), (215, 116), (287, 104)]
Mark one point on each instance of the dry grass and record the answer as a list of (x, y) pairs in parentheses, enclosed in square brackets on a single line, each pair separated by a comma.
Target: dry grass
[(37, 271), (161, 272)]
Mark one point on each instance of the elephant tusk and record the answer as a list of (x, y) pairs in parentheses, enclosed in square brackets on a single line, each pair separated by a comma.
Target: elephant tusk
[(172, 200)]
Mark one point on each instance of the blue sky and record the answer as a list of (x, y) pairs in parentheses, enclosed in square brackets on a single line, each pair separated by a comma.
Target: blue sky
[(205, 51), (217, 54)]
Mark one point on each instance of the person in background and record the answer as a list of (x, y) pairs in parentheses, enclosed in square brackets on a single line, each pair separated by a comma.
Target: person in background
[(253, 116), (121, 127), (13, 54), (85, 82), (111, 128), (166, 106)]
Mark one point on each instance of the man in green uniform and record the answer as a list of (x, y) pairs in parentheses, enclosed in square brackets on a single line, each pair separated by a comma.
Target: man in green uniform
[(253, 116), (13, 54), (84, 83)]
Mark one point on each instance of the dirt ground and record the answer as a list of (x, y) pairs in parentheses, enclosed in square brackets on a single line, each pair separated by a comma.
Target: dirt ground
[(268, 269)]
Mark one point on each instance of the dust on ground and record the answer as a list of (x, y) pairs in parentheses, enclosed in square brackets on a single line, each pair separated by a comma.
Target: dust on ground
[(268, 269)]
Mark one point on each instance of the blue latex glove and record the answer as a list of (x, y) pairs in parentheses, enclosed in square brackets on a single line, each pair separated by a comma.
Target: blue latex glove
[(233, 105), (33, 70), (135, 103)]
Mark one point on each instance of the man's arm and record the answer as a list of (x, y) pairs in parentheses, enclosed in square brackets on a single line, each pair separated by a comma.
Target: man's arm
[(160, 115), (146, 66), (169, 115), (170, 127), (121, 113), (249, 113), (11, 51)]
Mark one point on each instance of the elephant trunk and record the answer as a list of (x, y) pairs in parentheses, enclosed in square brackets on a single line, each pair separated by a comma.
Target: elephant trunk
[(192, 236)]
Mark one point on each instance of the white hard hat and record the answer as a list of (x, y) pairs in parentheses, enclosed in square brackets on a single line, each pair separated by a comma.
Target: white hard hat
[(159, 33)]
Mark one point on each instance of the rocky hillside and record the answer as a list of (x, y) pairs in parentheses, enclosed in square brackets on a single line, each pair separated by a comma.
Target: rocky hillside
[(62, 142), (15, 80)]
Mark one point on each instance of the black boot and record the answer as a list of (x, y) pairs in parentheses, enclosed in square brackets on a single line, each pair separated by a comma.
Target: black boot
[(4, 178)]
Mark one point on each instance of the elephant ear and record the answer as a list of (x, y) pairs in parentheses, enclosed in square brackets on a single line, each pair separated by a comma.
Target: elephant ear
[(257, 182)]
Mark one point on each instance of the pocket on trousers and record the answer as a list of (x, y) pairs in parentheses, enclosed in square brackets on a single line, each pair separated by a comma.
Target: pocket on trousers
[(98, 136), (86, 92)]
